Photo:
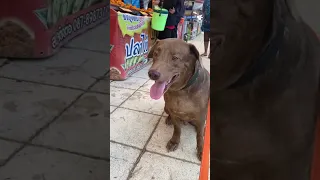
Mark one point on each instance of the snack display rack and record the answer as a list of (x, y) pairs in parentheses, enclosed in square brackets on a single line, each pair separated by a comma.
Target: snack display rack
[(131, 36), (130, 39), (38, 28)]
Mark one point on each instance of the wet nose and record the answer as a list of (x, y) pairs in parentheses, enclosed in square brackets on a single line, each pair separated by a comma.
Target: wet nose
[(154, 75)]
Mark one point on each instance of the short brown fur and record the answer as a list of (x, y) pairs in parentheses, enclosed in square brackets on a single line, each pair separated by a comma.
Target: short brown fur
[(182, 102)]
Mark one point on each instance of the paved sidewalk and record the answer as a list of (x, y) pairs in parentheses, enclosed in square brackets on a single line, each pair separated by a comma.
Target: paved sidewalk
[(54, 113), (139, 134)]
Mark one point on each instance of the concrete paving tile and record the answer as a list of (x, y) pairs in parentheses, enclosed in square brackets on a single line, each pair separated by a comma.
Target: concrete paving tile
[(206, 63), (143, 73), (69, 67), (101, 42), (2, 61), (84, 128), (98, 66), (142, 101), (7, 148), (106, 23), (122, 159), (131, 127), (112, 108), (26, 107), (146, 87), (39, 164), (157, 167), (187, 147), (102, 86), (119, 95), (133, 83)]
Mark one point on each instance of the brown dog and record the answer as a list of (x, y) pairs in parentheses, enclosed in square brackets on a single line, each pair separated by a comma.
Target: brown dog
[(265, 78), (185, 84)]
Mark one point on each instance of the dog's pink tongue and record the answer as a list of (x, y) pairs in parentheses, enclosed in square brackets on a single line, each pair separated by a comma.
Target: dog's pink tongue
[(157, 90)]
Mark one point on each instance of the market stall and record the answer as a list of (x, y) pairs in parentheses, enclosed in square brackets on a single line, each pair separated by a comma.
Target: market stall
[(192, 19), (130, 39), (38, 28), (191, 26), (131, 36)]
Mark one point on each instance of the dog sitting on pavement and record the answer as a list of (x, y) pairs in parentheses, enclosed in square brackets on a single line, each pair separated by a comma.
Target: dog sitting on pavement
[(185, 85)]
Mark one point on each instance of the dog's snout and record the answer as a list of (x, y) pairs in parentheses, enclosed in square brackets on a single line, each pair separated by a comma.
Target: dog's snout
[(154, 75)]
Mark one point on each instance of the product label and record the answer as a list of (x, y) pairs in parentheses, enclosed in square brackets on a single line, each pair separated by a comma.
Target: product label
[(111, 47), (77, 24), (135, 53), (129, 24), (42, 15)]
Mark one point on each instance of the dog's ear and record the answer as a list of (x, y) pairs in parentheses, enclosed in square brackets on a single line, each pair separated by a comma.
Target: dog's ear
[(194, 51), (150, 54)]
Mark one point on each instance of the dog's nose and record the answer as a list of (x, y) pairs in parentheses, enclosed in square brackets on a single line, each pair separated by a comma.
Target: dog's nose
[(154, 75)]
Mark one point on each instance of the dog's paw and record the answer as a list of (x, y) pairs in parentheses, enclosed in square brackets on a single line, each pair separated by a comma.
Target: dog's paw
[(199, 153), (168, 121), (172, 146)]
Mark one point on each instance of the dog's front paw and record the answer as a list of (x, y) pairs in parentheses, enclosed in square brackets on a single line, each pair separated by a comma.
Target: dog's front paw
[(168, 121), (172, 146), (199, 153)]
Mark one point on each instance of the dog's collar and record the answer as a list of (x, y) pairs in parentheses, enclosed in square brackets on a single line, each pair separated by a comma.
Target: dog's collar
[(192, 79), (261, 65)]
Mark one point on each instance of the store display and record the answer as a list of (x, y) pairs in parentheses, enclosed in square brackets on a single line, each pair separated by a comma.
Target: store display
[(192, 19), (14, 33), (131, 36), (192, 27), (121, 4), (125, 9), (37, 29), (130, 43)]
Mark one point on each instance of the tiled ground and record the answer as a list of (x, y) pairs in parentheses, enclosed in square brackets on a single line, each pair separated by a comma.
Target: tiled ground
[(54, 113), (139, 134), (54, 118)]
